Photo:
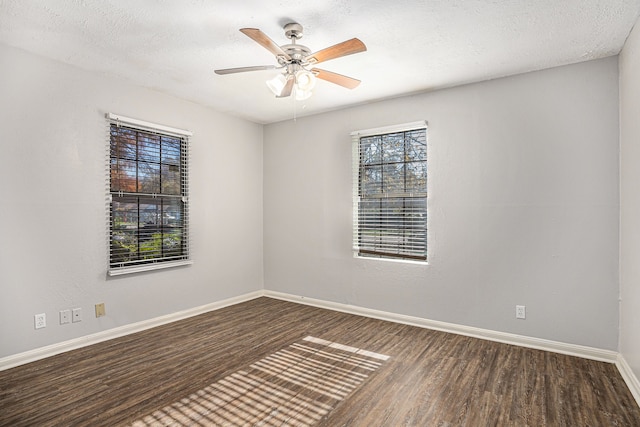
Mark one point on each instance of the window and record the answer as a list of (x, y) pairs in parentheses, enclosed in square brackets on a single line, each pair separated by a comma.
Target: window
[(390, 192), (148, 195)]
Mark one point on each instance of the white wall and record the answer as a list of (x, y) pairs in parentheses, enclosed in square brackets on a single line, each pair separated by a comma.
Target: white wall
[(523, 206), (53, 244), (630, 201)]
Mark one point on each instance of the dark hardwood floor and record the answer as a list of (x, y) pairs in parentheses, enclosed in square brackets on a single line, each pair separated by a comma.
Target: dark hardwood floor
[(273, 363)]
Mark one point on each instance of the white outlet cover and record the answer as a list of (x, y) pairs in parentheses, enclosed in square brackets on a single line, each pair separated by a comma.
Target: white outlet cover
[(40, 321), (65, 316), (77, 315), (520, 312)]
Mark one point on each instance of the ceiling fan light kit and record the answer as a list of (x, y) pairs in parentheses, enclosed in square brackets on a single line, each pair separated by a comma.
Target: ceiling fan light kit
[(295, 59), (304, 82)]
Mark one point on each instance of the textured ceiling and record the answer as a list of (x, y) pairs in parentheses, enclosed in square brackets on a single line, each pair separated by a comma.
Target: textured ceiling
[(174, 46)]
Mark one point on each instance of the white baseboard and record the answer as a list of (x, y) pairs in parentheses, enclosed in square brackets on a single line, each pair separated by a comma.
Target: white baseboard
[(503, 337), (52, 350), (629, 377)]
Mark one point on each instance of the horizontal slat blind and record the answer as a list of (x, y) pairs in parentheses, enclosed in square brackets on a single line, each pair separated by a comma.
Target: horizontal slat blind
[(390, 192), (148, 196)]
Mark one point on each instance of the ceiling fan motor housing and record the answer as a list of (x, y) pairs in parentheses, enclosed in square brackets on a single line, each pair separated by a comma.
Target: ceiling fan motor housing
[(296, 51)]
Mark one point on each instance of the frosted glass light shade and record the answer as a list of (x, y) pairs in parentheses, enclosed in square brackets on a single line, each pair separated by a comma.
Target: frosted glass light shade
[(301, 94), (277, 83), (305, 80)]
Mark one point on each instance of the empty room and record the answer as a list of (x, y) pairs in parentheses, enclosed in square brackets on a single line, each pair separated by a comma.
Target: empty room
[(327, 213)]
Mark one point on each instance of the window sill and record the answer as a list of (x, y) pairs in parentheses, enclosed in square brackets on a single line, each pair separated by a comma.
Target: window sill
[(147, 267), (395, 260)]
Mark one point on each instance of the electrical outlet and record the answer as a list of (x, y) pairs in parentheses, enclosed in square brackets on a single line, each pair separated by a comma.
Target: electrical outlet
[(100, 310), (65, 316), (77, 315), (520, 312), (40, 320)]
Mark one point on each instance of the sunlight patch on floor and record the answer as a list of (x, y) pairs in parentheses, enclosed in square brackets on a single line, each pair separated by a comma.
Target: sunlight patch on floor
[(295, 386)]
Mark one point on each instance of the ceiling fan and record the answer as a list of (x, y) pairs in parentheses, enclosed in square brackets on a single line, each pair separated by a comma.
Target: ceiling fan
[(296, 60)]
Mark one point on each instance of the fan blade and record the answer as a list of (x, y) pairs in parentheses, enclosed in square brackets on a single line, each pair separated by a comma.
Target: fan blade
[(288, 88), (244, 69), (264, 40), (336, 51), (339, 79)]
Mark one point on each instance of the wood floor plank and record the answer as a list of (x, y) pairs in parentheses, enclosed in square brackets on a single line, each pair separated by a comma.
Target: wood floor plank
[(272, 363)]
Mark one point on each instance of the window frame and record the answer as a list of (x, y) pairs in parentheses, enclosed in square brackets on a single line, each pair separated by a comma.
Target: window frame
[(170, 198), (398, 253)]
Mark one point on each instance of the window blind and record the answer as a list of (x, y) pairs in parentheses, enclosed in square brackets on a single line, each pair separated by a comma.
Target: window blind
[(148, 196), (390, 192)]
